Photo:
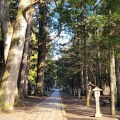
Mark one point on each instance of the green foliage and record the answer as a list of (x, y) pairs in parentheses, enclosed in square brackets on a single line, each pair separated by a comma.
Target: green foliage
[(32, 75), (63, 71), (97, 23), (13, 8), (50, 73)]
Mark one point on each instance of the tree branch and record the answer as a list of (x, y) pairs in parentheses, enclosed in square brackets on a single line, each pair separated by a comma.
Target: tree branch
[(31, 5)]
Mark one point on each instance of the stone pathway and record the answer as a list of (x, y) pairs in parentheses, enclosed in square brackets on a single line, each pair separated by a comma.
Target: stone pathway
[(50, 109)]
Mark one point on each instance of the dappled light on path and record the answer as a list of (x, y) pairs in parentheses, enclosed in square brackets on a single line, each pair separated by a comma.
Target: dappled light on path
[(50, 109)]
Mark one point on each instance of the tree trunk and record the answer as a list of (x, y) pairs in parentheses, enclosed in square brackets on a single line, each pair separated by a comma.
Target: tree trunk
[(98, 71), (118, 82), (113, 81), (86, 68), (10, 76), (1, 59), (82, 83), (41, 51), (7, 28), (41, 65), (23, 72), (88, 91)]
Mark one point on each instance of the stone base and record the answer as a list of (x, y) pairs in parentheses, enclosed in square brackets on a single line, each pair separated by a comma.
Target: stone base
[(98, 115)]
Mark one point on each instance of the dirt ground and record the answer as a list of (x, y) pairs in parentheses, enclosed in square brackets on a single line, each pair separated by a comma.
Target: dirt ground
[(76, 110)]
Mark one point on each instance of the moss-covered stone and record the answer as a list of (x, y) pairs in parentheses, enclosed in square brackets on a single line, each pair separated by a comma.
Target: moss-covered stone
[(18, 102), (6, 107), (39, 92)]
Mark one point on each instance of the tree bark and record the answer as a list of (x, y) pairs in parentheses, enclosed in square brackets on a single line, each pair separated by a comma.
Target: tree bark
[(118, 81), (1, 60), (23, 87), (41, 65), (10, 76), (98, 70), (7, 28), (88, 91), (113, 81), (41, 51)]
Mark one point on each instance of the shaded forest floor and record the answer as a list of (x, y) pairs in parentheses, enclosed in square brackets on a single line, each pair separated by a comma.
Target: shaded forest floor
[(76, 109)]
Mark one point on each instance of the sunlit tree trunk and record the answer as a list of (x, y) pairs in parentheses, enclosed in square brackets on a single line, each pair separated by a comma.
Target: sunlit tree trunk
[(112, 81), (23, 87), (10, 76)]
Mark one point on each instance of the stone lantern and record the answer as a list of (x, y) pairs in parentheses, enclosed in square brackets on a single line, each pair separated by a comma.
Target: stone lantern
[(97, 95)]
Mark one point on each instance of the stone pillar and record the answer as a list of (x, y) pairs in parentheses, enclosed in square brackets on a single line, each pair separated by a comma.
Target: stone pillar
[(97, 95), (75, 91), (79, 93)]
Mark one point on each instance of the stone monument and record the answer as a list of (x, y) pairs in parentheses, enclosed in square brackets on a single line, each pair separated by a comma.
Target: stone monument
[(97, 95)]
